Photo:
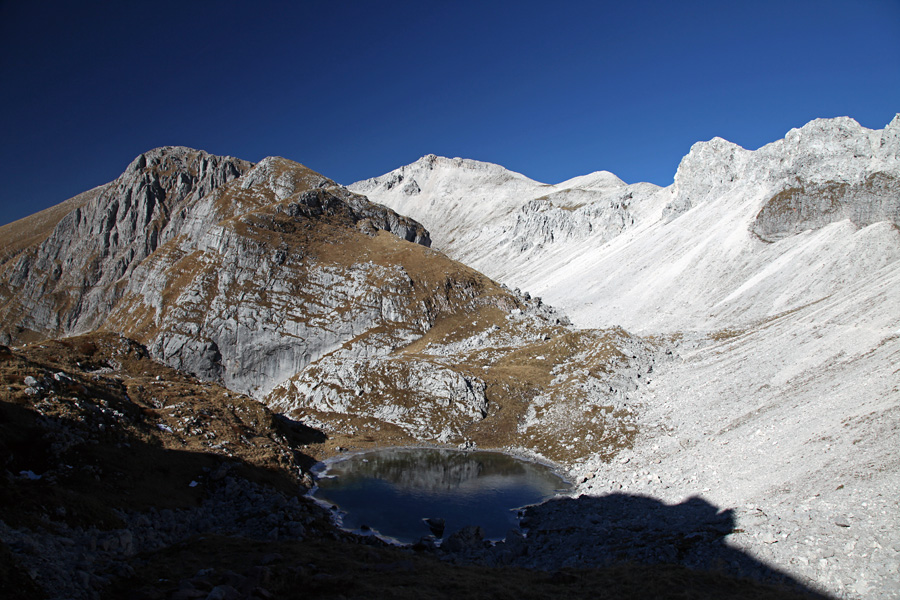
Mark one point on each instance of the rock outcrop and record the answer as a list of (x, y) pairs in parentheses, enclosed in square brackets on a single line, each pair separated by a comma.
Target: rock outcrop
[(238, 273), (815, 205), (825, 172), (67, 283), (277, 283), (517, 379)]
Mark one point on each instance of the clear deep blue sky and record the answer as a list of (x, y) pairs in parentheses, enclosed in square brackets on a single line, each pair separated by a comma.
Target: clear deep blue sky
[(356, 89)]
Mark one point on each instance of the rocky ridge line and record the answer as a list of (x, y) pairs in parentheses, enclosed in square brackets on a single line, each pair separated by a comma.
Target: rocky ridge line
[(277, 283), (772, 275)]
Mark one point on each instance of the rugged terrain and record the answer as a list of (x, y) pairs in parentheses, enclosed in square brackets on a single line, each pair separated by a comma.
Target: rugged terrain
[(124, 478), (773, 275), (276, 282), (739, 236), (743, 420)]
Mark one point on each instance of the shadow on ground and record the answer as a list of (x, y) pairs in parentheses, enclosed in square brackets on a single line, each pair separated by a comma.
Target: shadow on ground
[(119, 479), (617, 529), (105, 454)]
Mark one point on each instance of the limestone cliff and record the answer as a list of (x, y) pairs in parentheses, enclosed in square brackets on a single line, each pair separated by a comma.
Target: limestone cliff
[(226, 269), (68, 280), (278, 283)]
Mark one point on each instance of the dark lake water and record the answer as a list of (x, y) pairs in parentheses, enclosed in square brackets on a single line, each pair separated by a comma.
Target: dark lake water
[(392, 491)]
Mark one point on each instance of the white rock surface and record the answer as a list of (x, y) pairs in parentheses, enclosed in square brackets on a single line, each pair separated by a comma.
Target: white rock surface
[(773, 275), (493, 219), (770, 276), (685, 257)]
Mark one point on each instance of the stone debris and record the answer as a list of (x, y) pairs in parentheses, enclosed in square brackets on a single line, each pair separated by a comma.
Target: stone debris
[(750, 429)]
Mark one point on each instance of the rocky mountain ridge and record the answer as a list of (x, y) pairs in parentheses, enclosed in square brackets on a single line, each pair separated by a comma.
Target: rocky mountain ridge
[(764, 283), (480, 209), (277, 283), (567, 242), (774, 272), (93, 267)]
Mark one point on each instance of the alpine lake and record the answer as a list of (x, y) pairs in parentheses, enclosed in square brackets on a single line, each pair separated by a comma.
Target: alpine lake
[(405, 494)]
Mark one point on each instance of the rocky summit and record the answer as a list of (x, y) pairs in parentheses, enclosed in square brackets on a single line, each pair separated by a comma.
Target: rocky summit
[(276, 282), (712, 363)]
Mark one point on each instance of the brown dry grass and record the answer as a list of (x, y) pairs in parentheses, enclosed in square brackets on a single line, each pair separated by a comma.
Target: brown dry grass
[(34, 229), (122, 431)]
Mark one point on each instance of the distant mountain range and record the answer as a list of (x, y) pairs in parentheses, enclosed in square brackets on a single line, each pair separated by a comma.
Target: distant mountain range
[(698, 254)]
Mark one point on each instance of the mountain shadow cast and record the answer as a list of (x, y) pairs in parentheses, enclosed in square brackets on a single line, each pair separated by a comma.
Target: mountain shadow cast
[(297, 433), (74, 492), (624, 529), (96, 439), (82, 475)]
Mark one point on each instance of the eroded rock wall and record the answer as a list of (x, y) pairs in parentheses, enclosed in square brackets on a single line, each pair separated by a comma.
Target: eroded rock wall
[(67, 283)]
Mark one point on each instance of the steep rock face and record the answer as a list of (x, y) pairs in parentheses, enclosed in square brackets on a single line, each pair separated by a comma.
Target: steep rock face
[(34, 229), (66, 284), (708, 169), (562, 217), (430, 401), (261, 298), (822, 194), (220, 266), (815, 205)]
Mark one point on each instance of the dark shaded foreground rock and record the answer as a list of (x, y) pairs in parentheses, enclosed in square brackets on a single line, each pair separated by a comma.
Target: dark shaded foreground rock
[(605, 531), (346, 568), (107, 454), (467, 541), (111, 490), (436, 526)]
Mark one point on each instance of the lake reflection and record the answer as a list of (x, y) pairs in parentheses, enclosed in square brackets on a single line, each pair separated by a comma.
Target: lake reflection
[(392, 491)]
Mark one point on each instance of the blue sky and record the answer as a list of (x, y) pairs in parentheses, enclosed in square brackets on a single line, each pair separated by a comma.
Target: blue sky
[(356, 89)]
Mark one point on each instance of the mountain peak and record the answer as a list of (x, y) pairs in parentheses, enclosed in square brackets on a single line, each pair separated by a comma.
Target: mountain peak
[(595, 180), (285, 177), (175, 157), (829, 126), (895, 123), (432, 161)]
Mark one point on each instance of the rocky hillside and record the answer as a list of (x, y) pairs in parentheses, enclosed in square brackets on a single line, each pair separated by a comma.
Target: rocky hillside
[(699, 254), (123, 478), (275, 282), (774, 274), (108, 454)]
